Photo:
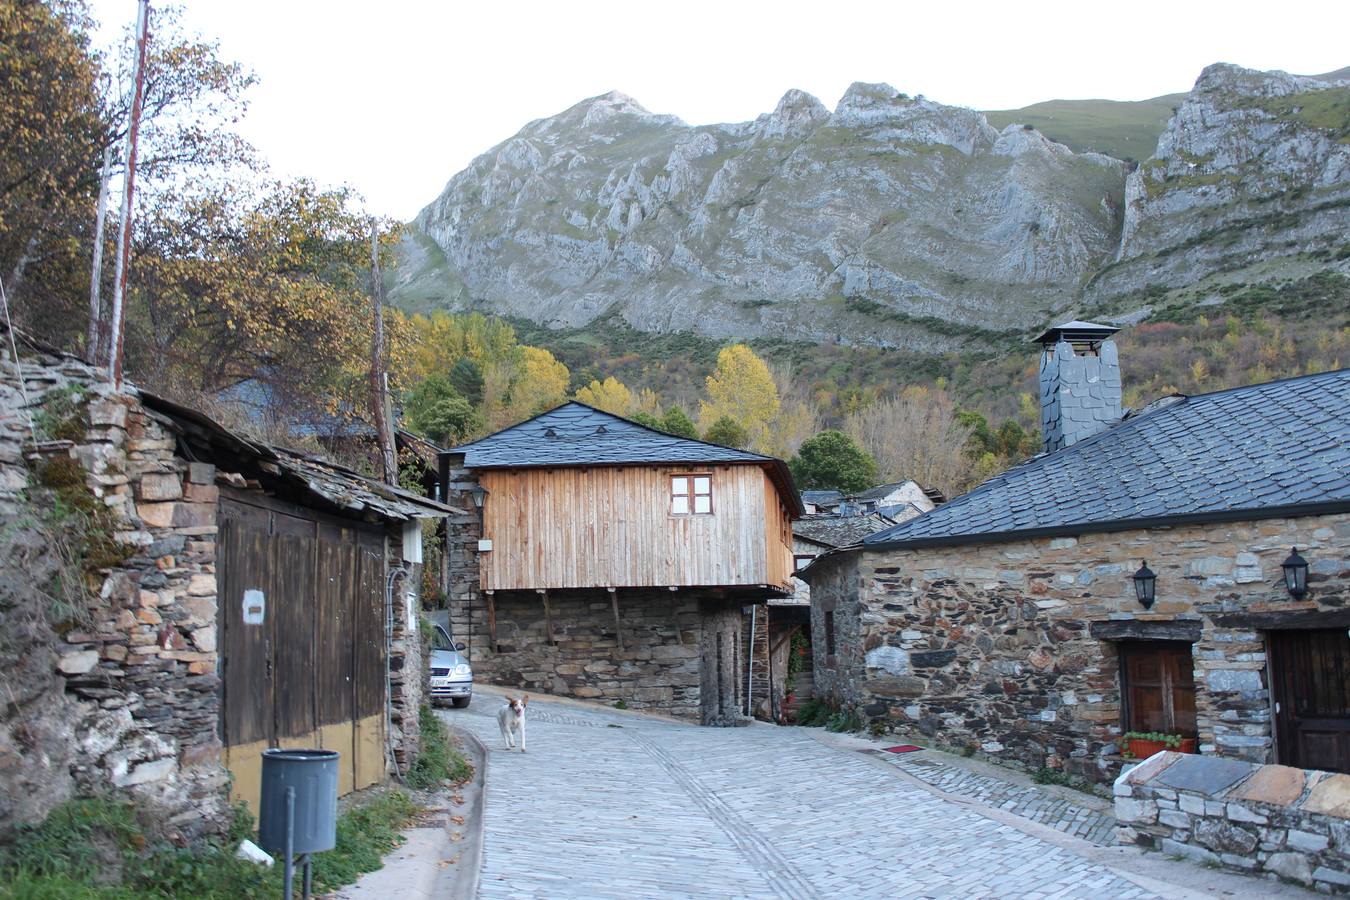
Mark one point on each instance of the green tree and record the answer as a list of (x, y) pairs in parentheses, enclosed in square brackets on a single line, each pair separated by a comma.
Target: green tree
[(435, 410), (466, 376), (727, 432), (648, 420), (832, 461), (679, 424)]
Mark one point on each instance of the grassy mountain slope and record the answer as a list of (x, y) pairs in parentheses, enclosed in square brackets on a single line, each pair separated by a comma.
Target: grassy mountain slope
[(1125, 129)]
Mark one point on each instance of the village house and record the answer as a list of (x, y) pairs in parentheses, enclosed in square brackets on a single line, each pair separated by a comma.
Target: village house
[(1184, 570), (241, 596), (610, 561)]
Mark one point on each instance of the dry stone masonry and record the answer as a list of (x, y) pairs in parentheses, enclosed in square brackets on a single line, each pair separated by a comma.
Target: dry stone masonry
[(991, 647), (1275, 820)]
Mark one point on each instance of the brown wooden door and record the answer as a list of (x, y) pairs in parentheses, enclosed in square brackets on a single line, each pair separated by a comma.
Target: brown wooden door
[(313, 670), (1310, 681), (1158, 687)]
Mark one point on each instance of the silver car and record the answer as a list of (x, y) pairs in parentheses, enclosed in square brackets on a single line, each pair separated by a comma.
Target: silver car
[(451, 674)]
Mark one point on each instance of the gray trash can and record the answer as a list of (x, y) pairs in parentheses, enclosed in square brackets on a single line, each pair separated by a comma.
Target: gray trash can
[(314, 775)]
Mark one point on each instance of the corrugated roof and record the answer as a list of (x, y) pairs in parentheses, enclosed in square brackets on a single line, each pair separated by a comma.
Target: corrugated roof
[(1247, 452), (575, 434)]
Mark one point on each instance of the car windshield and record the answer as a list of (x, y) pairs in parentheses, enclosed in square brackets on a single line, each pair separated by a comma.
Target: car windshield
[(440, 640)]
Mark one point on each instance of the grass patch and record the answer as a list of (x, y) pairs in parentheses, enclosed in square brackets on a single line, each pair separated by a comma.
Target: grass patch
[(438, 762), (103, 848)]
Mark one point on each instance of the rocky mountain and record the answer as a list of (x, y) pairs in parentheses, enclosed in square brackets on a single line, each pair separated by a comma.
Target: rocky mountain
[(892, 220)]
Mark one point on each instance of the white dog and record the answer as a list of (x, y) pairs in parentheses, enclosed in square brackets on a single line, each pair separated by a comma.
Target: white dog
[(511, 718)]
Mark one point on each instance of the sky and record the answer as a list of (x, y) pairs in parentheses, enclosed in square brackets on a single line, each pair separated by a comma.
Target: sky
[(396, 96)]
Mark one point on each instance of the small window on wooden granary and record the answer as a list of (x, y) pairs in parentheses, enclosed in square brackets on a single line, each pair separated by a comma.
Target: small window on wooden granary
[(690, 495)]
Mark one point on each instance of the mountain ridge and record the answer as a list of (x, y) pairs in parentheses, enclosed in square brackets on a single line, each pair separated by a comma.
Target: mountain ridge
[(890, 221)]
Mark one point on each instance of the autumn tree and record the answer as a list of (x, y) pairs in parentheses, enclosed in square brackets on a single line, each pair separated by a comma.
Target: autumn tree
[(917, 435), (832, 461), (55, 124), (241, 284), (742, 389), (610, 395)]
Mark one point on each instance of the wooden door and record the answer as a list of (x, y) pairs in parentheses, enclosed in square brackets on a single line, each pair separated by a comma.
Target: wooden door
[(1310, 683), (311, 672), (1158, 687)]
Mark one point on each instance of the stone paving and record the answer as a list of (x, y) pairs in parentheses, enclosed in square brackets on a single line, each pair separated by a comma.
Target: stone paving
[(1086, 817), (607, 804)]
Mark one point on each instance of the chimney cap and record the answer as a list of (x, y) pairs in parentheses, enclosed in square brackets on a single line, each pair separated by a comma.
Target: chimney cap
[(1076, 332)]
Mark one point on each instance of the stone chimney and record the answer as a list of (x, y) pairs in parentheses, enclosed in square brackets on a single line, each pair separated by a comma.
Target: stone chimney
[(1080, 383)]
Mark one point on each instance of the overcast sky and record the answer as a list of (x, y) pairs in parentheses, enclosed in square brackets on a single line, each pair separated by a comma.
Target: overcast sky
[(395, 96)]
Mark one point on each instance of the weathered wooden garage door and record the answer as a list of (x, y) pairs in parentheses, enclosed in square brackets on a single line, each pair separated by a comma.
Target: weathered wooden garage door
[(302, 648), (1310, 677)]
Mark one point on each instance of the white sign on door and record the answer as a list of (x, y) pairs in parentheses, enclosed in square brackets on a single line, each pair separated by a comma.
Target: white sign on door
[(255, 607)]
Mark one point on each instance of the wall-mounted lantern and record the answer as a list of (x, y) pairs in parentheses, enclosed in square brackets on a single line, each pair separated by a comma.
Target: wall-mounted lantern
[(479, 494), (1145, 585), (1295, 574)]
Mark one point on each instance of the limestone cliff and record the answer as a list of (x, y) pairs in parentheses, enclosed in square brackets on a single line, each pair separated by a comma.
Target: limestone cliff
[(892, 220)]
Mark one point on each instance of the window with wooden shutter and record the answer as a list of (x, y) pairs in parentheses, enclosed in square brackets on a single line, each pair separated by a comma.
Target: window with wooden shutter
[(1157, 687), (691, 495)]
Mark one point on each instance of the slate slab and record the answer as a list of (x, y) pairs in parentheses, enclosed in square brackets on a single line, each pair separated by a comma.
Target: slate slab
[(1278, 785), (1205, 774)]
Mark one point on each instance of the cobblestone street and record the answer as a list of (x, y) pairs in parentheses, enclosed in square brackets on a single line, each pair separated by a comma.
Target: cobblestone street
[(609, 804)]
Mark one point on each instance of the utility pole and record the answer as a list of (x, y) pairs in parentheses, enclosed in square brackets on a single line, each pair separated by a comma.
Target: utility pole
[(91, 341), (124, 242), (379, 381)]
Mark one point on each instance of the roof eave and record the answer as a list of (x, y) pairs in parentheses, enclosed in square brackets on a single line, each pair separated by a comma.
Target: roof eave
[(1246, 514)]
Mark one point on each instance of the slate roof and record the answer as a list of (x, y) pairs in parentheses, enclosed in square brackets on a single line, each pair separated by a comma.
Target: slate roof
[(575, 434), (1265, 450), (823, 498), (839, 531)]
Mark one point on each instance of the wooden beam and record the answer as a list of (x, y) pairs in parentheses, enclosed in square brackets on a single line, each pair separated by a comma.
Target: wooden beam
[(618, 625), (492, 621), (548, 616)]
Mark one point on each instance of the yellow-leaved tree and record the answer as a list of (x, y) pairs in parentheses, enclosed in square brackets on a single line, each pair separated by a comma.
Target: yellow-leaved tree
[(742, 389), (611, 395)]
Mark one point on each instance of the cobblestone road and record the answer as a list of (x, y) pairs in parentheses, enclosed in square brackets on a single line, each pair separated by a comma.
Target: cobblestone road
[(606, 804)]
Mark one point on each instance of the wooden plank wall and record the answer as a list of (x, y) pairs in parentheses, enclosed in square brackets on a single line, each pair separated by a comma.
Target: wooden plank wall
[(610, 526), (313, 675)]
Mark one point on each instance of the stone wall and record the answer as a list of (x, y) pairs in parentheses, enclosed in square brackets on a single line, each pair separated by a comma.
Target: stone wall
[(460, 580), (117, 683), (407, 666), (990, 647), (657, 667), (1292, 823)]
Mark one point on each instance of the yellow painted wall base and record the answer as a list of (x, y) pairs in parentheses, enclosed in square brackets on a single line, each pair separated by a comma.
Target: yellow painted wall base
[(362, 761)]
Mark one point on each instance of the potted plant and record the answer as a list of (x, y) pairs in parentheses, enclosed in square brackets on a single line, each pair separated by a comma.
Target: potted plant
[(1143, 744)]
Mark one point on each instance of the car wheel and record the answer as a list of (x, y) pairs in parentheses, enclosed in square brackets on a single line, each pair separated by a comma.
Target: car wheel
[(460, 702)]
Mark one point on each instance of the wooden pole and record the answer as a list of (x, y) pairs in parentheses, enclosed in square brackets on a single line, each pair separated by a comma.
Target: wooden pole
[(124, 241), (492, 620), (618, 625), (379, 382), (548, 616), (94, 332)]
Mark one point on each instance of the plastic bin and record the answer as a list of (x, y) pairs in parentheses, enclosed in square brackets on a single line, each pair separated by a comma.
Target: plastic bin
[(314, 775)]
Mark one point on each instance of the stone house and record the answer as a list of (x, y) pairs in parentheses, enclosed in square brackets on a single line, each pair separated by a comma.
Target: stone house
[(1008, 621), (223, 596), (899, 501), (607, 560)]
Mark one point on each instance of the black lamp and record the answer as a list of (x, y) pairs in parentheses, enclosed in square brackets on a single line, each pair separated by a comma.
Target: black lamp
[(1295, 574), (1145, 584), (479, 494)]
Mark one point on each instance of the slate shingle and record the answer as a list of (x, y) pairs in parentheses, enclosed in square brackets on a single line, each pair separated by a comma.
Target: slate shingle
[(575, 434), (1251, 448)]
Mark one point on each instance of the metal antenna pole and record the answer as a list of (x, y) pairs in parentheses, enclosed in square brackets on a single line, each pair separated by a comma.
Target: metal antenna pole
[(124, 244)]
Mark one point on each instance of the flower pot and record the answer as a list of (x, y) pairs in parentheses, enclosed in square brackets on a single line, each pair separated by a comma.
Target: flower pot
[(1187, 745), (1142, 749)]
